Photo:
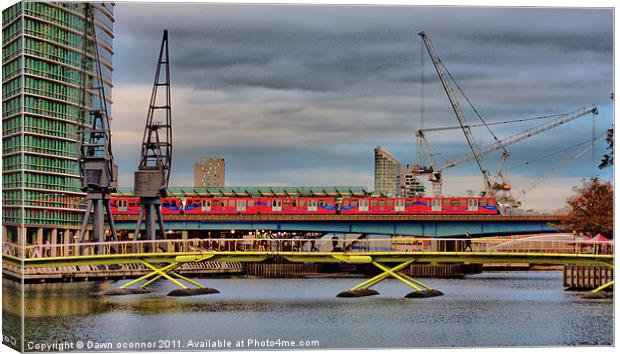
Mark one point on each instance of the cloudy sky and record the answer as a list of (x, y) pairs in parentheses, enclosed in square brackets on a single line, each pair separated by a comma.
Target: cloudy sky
[(301, 95)]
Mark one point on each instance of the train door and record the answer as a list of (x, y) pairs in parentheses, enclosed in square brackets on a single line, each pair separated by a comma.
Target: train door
[(399, 205), (312, 205), (241, 204), (276, 205), (472, 205), (435, 204), (363, 204), (122, 205), (205, 205)]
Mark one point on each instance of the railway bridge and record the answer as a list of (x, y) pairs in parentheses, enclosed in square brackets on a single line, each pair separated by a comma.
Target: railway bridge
[(439, 226)]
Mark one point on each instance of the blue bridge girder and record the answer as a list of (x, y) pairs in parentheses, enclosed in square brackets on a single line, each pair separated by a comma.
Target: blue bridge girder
[(416, 225)]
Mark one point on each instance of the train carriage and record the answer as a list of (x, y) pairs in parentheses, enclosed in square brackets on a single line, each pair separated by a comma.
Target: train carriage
[(282, 205)]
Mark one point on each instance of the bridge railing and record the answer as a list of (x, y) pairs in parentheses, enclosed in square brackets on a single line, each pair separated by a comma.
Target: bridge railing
[(302, 246)]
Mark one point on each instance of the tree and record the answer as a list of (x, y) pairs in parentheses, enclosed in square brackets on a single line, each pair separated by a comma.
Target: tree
[(591, 209), (608, 159)]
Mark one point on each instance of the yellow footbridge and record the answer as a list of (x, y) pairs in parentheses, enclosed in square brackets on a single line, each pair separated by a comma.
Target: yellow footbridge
[(390, 256)]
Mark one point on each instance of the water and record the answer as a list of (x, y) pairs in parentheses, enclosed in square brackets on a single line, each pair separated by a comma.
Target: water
[(493, 309)]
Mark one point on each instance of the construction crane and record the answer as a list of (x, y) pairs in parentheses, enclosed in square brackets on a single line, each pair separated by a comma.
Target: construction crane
[(490, 185), (560, 166), (437, 170), (96, 161), (151, 178)]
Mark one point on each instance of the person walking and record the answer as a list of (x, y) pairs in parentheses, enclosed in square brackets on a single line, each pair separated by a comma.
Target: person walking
[(467, 242), (36, 251)]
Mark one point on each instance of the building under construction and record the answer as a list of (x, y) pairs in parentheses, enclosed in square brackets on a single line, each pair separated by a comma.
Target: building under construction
[(44, 48)]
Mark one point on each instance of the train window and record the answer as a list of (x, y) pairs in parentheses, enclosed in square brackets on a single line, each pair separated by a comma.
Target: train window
[(216, 203), (302, 203), (196, 203), (133, 204), (483, 202), (381, 203), (231, 203), (294, 203), (345, 203), (390, 202), (287, 203), (491, 202), (250, 203), (354, 203), (446, 202), (322, 203), (274, 203), (330, 203), (173, 203), (455, 203), (409, 203), (462, 202), (373, 203)]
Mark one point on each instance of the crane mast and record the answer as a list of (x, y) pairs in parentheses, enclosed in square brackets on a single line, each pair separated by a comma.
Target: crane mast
[(151, 178), (96, 161), (443, 77)]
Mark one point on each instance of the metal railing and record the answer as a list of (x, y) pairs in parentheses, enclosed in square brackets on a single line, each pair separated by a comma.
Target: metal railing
[(303, 246)]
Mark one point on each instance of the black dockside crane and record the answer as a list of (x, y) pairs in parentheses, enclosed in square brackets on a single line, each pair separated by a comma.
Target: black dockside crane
[(151, 178), (95, 159)]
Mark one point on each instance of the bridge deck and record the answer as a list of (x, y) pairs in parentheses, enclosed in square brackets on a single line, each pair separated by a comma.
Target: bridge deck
[(293, 217)]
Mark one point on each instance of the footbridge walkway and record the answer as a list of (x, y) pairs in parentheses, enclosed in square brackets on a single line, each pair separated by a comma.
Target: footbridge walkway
[(163, 257)]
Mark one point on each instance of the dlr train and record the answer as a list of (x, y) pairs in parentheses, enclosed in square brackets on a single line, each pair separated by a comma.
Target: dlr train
[(314, 205)]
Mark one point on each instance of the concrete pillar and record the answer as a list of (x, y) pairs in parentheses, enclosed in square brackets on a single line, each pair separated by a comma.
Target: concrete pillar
[(5, 234), (39, 238), (53, 242), (21, 239), (184, 236), (67, 237)]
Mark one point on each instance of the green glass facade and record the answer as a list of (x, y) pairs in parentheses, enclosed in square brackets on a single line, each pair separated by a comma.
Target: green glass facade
[(42, 48)]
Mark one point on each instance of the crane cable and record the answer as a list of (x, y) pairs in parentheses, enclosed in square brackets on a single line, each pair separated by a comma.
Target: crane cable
[(589, 141), (472, 106)]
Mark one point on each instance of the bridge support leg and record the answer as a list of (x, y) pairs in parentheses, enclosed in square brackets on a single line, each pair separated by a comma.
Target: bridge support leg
[(167, 272), (363, 289), (598, 293)]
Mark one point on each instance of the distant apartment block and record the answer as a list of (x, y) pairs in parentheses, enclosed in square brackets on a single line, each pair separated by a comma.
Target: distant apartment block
[(209, 172), (387, 169)]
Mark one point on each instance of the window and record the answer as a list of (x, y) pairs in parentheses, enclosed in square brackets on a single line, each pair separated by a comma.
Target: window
[(455, 203), (446, 202), (373, 203), (390, 202), (231, 203), (287, 203), (216, 203), (250, 203), (381, 203), (302, 203), (462, 202), (483, 202), (294, 203)]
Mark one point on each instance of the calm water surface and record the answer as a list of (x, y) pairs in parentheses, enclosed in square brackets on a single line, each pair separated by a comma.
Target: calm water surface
[(493, 309)]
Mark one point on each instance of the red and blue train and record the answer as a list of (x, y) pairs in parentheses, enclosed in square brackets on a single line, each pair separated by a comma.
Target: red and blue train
[(314, 206)]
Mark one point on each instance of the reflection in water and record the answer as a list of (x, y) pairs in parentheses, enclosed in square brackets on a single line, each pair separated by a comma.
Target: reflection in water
[(495, 309)]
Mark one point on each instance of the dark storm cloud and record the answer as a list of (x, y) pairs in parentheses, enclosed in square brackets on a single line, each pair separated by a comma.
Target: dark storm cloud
[(314, 89)]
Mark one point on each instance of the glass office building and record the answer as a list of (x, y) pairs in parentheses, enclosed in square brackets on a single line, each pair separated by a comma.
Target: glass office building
[(42, 48)]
